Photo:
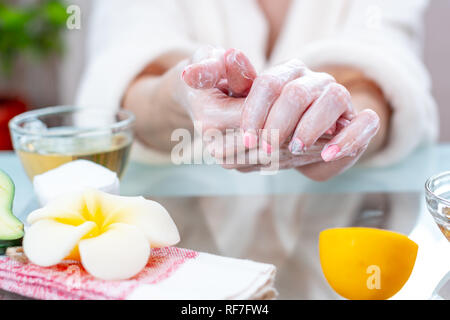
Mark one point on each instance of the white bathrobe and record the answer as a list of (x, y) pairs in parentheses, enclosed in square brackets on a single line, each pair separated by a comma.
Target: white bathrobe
[(380, 37)]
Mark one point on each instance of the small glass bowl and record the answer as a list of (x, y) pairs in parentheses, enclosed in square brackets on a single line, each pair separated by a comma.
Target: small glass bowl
[(437, 195), (47, 138)]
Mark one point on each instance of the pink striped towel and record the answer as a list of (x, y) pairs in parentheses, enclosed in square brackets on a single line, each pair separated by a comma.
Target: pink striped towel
[(171, 273)]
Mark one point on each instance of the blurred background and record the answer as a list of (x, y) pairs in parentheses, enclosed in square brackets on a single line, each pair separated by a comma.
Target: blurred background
[(37, 71)]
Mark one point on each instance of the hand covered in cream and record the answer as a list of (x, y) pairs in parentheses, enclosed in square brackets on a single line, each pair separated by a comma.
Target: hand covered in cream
[(214, 85), (313, 114), (110, 235)]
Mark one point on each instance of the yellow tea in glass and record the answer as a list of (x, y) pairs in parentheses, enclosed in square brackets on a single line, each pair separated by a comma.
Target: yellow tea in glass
[(47, 138)]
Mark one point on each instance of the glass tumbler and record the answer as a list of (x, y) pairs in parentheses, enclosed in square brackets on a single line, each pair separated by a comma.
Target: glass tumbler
[(47, 138)]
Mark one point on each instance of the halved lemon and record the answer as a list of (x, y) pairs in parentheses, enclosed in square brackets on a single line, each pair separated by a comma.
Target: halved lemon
[(366, 263)]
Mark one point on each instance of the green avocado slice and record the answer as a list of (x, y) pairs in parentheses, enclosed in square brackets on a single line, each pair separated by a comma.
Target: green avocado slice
[(11, 228)]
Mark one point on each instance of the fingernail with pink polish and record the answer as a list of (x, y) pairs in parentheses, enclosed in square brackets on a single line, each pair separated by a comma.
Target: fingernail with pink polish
[(267, 147), (296, 146), (183, 74), (250, 140), (330, 153)]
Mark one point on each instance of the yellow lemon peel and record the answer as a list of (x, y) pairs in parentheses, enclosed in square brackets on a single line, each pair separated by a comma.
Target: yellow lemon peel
[(366, 263)]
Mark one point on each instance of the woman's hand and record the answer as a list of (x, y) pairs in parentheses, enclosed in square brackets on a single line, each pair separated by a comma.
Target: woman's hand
[(177, 92), (319, 132), (303, 106), (211, 67), (215, 83), (311, 113)]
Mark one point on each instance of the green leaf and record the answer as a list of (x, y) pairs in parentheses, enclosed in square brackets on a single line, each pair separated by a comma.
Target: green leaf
[(35, 28), (13, 19), (56, 13)]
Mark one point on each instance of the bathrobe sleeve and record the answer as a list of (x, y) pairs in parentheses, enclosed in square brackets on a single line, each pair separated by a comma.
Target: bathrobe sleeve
[(124, 36), (383, 39)]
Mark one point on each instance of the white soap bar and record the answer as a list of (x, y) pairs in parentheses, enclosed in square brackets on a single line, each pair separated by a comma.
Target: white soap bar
[(73, 177)]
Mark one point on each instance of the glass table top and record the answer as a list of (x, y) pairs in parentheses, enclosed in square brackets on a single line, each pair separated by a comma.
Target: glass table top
[(277, 218)]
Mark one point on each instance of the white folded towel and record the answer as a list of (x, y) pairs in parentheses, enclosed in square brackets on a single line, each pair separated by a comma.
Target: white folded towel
[(213, 277)]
